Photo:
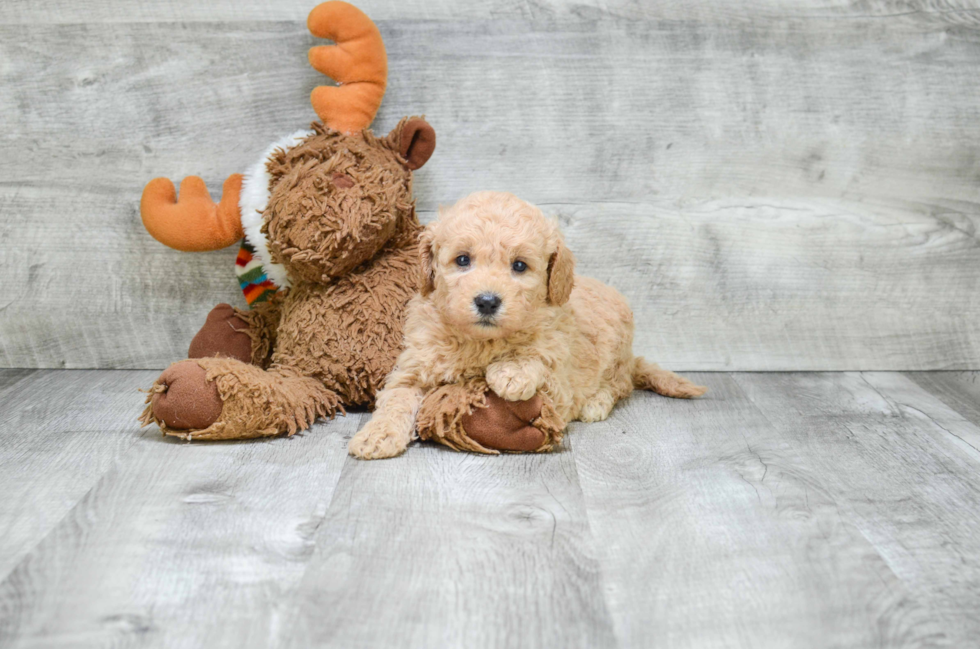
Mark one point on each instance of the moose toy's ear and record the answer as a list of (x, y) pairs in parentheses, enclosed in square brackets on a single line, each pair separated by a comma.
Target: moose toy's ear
[(415, 143), (561, 275), (427, 276)]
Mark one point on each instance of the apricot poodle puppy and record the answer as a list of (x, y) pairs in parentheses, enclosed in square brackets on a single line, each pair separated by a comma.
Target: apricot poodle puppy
[(500, 300)]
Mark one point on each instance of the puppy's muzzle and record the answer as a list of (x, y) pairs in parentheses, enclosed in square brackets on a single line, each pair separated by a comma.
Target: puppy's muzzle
[(487, 304)]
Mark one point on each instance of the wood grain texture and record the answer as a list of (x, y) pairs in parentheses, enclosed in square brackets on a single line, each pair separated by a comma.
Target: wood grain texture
[(935, 407), (438, 549), (958, 390), (178, 545), (715, 531), (117, 11), (9, 378), (782, 510), (774, 185), (889, 458), (59, 433)]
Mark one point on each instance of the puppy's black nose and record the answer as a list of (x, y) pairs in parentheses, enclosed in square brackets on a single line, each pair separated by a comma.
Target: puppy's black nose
[(487, 303)]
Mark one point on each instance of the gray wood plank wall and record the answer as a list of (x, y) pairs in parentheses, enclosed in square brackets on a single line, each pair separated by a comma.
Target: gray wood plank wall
[(774, 185)]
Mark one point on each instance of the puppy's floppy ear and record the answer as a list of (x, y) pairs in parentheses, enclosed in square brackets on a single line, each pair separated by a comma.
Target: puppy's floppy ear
[(561, 275), (427, 275)]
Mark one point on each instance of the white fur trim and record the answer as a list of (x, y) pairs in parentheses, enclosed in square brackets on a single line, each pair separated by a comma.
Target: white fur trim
[(253, 200)]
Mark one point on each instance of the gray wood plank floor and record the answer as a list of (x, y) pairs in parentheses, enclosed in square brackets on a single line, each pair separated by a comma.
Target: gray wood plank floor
[(782, 510)]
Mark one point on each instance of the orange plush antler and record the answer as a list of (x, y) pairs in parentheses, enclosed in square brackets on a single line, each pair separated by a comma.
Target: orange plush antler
[(358, 62), (193, 223)]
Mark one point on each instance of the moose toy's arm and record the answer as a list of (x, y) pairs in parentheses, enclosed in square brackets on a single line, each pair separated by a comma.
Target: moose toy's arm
[(468, 416), (193, 222)]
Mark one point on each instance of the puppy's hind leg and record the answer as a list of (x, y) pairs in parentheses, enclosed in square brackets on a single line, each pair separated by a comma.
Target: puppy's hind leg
[(598, 407), (650, 376)]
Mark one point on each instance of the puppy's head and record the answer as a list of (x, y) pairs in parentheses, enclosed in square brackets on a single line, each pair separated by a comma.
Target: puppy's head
[(494, 265)]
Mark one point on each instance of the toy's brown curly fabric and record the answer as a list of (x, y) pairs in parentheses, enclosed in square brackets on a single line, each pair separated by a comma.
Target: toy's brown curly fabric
[(262, 322), (341, 220), (336, 201)]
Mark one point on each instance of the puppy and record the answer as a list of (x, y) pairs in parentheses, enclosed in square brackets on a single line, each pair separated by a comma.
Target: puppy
[(500, 300)]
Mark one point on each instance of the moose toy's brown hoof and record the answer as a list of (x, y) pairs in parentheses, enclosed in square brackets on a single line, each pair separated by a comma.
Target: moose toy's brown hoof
[(469, 416), (188, 401), (223, 334), (505, 425)]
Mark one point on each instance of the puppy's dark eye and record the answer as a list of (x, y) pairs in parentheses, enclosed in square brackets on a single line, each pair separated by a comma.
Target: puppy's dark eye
[(519, 266), (463, 261)]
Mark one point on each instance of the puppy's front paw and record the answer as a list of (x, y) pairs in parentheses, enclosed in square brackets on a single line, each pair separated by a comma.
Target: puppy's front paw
[(510, 382), (378, 440)]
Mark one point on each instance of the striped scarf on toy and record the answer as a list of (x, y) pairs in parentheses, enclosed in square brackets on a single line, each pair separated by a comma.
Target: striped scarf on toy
[(252, 277)]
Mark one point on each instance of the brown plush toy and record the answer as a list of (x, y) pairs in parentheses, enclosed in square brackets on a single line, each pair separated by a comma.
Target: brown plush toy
[(330, 215)]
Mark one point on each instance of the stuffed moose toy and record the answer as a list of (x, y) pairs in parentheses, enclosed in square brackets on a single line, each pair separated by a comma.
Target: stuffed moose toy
[(329, 216)]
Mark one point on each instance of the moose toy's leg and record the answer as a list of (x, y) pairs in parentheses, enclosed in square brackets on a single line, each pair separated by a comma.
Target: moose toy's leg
[(224, 398), (470, 417), (223, 334), (247, 336)]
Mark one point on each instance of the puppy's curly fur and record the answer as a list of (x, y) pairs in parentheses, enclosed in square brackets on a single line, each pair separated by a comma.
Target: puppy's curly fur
[(500, 300)]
